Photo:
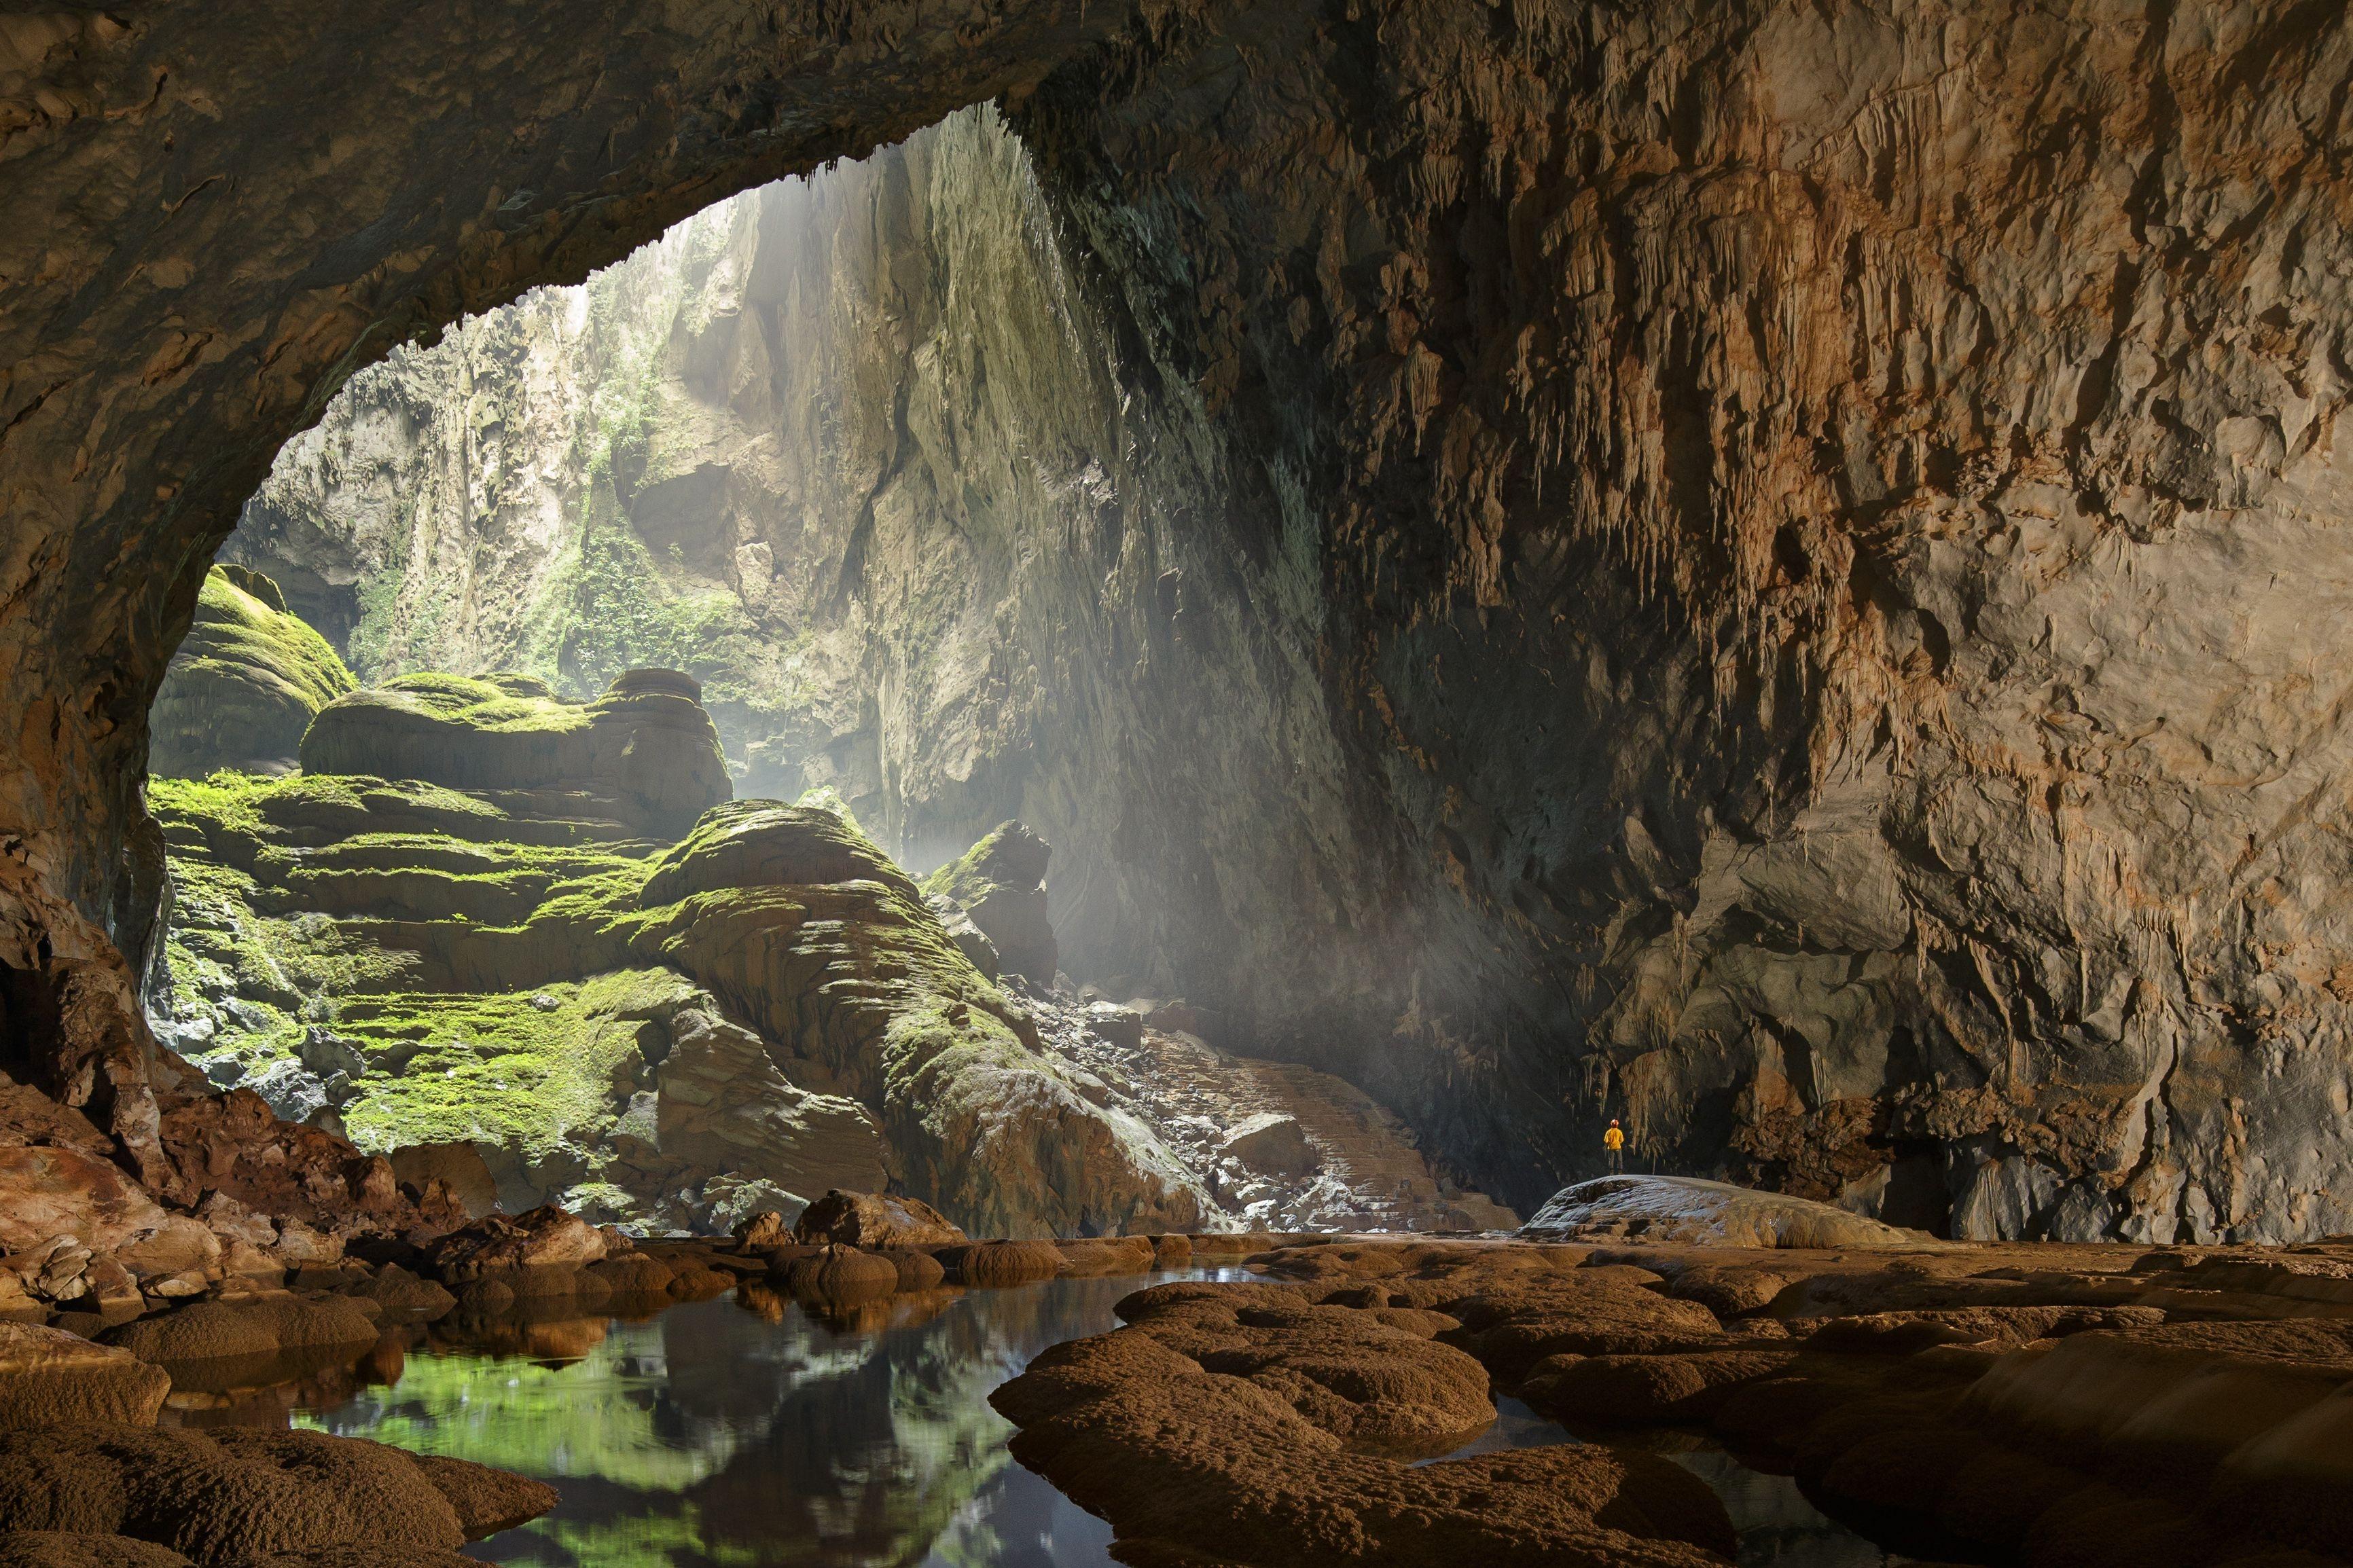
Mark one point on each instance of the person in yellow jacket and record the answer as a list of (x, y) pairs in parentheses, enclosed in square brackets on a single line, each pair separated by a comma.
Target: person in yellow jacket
[(1614, 1141)]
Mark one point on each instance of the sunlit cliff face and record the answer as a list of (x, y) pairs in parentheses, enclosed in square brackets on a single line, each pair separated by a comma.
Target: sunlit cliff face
[(1751, 569)]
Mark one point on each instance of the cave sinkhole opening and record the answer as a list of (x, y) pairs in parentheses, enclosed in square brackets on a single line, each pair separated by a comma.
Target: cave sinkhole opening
[(788, 507)]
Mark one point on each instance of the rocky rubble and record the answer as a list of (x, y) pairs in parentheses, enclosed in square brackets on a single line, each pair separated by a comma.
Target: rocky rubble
[(1276, 1145)]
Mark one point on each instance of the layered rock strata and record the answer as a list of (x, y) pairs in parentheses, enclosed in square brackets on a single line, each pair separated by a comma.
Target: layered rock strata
[(761, 1011), (646, 750)]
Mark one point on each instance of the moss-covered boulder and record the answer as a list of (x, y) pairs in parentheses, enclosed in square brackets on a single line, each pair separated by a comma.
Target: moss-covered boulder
[(807, 931), (767, 1007), (247, 682), (1000, 884), (646, 749)]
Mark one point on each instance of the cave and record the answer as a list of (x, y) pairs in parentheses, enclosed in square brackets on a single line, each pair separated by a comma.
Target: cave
[(1617, 708)]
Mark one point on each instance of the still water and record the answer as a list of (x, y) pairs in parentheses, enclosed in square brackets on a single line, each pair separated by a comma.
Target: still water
[(750, 1433)]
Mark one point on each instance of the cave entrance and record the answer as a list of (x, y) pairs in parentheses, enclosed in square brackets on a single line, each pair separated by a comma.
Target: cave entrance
[(790, 449), (839, 496)]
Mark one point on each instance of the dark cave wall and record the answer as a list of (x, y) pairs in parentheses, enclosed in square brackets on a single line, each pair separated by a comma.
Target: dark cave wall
[(1824, 521), (1756, 567)]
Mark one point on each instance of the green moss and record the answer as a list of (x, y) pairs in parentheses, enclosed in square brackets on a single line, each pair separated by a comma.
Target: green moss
[(247, 681), (500, 704), (379, 605), (529, 1070), (968, 879), (607, 608)]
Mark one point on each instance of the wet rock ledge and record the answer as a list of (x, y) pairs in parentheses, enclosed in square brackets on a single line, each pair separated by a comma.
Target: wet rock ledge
[(2079, 1405), (96, 1471)]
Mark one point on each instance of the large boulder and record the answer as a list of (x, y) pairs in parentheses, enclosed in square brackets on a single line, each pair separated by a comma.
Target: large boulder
[(803, 930), (246, 683), (179, 1247), (722, 1107), (256, 1326), (1687, 1210), (876, 1221), (234, 1496), (837, 1274), (646, 748), (48, 1377), (459, 1166), (996, 1264), (56, 1191), (1271, 1143), (1000, 883), (546, 1237)]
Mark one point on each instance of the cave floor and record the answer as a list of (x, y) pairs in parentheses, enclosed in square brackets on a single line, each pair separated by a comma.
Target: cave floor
[(759, 1428)]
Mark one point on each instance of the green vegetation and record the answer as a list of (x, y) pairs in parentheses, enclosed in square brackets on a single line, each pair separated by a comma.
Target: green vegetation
[(247, 681), (504, 704), (247, 631), (974, 875), (529, 1071), (290, 911), (502, 964)]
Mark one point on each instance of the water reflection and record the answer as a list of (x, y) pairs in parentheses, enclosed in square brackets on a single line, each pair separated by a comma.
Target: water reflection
[(759, 1429), (1778, 1527), (756, 1430)]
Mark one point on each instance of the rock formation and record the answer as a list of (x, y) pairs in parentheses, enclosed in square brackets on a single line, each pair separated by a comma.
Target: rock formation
[(2101, 1406), (999, 884), (1748, 568), (1701, 1213), (484, 949), (235, 1497), (875, 1220), (246, 683), (1248, 1424), (645, 751)]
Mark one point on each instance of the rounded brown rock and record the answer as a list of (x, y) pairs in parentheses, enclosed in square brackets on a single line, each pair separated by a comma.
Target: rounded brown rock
[(841, 1274), (995, 1265), (917, 1270)]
